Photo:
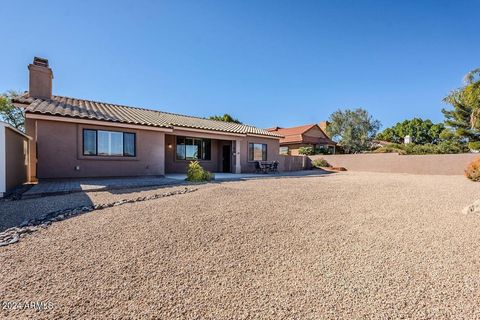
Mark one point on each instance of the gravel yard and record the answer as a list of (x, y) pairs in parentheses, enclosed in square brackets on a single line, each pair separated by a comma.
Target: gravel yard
[(348, 245)]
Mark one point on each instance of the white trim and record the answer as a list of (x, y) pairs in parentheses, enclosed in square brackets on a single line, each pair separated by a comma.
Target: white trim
[(95, 122), (3, 165), (238, 165)]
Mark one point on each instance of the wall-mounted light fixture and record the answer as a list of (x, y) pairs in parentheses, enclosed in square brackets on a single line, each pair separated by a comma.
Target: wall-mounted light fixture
[(169, 146)]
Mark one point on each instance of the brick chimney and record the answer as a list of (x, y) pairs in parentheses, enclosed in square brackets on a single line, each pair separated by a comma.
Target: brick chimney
[(40, 79)]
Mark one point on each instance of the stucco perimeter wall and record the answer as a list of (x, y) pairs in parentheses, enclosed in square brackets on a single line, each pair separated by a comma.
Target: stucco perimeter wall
[(59, 151), (444, 164), (16, 153)]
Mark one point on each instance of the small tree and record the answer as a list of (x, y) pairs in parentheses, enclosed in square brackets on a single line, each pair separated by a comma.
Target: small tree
[(226, 117), (353, 129), (10, 113)]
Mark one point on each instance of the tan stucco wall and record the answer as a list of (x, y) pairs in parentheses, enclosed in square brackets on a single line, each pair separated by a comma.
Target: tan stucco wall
[(172, 165), (444, 164), (59, 151), (272, 151), (15, 156), (215, 164)]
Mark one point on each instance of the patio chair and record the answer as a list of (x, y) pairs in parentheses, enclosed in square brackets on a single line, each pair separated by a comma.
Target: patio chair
[(258, 167), (274, 167)]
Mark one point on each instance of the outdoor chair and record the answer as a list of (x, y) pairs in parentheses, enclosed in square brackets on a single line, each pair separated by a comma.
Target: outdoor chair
[(258, 167), (274, 167)]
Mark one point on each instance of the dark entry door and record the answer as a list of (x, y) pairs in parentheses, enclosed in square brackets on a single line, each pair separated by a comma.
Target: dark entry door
[(226, 158)]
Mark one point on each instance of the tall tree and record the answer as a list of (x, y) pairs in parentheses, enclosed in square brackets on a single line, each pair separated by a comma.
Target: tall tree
[(421, 131), (226, 117), (9, 112), (464, 119), (353, 129)]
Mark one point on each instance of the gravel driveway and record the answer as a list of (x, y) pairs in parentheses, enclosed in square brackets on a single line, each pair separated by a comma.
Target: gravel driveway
[(347, 245)]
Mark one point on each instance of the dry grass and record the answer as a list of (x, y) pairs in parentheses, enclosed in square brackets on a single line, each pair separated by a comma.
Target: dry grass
[(346, 245)]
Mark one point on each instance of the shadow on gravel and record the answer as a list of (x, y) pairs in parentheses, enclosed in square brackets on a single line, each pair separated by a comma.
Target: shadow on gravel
[(17, 213)]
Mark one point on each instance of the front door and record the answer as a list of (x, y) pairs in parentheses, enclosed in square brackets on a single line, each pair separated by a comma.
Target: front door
[(226, 158)]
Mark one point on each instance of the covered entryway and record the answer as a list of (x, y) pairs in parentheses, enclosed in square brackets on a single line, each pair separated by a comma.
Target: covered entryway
[(214, 155)]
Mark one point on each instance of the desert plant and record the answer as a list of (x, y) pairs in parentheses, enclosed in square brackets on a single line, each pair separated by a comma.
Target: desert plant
[(474, 145), (196, 173), (319, 163), (473, 170)]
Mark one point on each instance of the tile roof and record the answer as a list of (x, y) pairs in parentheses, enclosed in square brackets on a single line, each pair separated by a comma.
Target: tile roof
[(94, 110), (296, 135)]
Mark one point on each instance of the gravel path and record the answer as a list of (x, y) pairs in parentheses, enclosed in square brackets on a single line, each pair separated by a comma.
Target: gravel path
[(348, 245)]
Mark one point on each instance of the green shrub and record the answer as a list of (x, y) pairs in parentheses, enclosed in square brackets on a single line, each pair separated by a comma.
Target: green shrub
[(196, 173), (319, 163), (307, 151), (412, 148), (390, 149), (474, 145), (322, 150), (473, 170)]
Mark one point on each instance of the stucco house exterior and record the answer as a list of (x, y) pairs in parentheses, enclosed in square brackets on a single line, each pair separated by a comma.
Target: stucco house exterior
[(81, 138), (310, 135)]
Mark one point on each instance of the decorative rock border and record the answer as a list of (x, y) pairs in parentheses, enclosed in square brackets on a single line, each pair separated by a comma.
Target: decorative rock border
[(13, 235)]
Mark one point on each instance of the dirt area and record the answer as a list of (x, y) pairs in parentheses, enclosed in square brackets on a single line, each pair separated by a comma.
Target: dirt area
[(347, 245)]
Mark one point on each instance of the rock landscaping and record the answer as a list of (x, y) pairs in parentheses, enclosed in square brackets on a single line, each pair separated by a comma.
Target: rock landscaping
[(13, 235)]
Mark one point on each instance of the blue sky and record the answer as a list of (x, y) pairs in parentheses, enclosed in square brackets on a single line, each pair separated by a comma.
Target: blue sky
[(267, 63)]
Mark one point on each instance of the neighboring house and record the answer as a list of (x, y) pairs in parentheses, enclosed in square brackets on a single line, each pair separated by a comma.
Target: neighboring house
[(82, 138), (310, 135), (13, 158)]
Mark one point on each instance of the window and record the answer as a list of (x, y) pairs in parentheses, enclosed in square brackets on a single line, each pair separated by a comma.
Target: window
[(257, 152), (193, 149), (283, 150), (108, 143)]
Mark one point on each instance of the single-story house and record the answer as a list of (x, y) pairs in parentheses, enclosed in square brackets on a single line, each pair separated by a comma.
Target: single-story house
[(74, 137), (310, 135), (13, 158)]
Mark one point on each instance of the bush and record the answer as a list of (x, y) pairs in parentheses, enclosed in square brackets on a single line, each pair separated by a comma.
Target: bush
[(307, 151), (390, 149), (319, 163), (411, 148), (473, 170), (196, 173), (474, 145)]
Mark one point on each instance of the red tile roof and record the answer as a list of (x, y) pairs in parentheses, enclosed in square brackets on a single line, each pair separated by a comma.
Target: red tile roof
[(296, 135), (94, 110)]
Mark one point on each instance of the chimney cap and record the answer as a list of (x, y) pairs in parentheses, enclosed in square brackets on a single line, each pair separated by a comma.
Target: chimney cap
[(42, 62)]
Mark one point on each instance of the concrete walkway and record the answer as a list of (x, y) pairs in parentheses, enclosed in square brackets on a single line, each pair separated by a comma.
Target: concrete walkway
[(221, 176), (64, 186)]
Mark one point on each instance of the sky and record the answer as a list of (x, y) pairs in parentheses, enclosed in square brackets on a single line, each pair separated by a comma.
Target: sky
[(267, 63)]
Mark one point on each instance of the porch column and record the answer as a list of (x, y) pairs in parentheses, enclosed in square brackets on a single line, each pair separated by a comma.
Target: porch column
[(238, 166)]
